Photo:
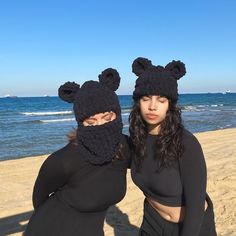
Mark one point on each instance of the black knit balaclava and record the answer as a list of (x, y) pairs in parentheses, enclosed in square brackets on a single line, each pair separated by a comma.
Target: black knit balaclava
[(100, 142), (157, 80)]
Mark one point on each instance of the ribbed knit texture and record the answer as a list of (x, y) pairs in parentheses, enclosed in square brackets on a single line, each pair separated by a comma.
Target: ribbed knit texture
[(157, 80), (92, 98), (100, 142)]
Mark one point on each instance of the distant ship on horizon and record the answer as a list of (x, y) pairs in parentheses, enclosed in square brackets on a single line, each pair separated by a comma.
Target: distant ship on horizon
[(227, 92), (10, 96)]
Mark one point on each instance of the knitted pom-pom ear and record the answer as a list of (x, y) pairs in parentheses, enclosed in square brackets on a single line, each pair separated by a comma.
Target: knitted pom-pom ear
[(68, 91), (140, 64), (110, 78), (177, 68)]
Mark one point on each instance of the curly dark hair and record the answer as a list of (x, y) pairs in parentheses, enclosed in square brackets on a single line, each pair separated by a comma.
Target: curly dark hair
[(169, 146)]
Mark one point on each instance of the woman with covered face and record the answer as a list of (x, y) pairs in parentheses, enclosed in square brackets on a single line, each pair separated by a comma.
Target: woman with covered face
[(76, 184), (167, 160)]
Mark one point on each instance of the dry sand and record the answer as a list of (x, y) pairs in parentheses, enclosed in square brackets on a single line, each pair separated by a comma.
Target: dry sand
[(17, 178)]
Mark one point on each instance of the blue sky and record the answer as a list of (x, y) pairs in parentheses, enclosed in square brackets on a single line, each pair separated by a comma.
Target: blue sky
[(46, 43)]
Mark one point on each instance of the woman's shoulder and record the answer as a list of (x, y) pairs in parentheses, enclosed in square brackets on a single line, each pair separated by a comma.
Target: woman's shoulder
[(65, 155), (68, 158), (189, 138), (67, 149), (192, 148)]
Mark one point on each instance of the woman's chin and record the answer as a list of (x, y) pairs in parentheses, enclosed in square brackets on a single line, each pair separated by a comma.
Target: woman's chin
[(152, 122)]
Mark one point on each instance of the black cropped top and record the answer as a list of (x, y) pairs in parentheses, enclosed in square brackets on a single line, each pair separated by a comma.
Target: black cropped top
[(183, 184), (150, 179)]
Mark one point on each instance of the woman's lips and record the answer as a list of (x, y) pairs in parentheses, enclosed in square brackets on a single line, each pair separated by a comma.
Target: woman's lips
[(151, 116)]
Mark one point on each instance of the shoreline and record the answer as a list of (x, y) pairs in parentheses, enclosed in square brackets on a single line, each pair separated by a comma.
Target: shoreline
[(17, 177), (39, 155)]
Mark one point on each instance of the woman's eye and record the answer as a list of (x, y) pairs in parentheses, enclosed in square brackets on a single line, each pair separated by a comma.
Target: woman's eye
[(90, 122), (162, 100), (108, 117), (145, 98)]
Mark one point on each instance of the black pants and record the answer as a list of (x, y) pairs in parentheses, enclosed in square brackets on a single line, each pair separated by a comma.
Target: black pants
[(154, 225)]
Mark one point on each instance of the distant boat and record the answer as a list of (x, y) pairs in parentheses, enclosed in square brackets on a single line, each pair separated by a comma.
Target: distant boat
[(10, 96), (227, 92), (45, 95)]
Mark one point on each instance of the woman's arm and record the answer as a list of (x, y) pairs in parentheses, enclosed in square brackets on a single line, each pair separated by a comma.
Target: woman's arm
[(193, 174), (52, 175)]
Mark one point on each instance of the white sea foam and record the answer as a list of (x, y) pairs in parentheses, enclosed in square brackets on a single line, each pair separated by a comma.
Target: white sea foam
[(125, 114), (126, 109), (225, 126), (192, 108), (57, 120), (47, 113), (202, 105)]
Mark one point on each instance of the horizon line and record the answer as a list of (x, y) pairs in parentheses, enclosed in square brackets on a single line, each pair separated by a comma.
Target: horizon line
[(47, 95)]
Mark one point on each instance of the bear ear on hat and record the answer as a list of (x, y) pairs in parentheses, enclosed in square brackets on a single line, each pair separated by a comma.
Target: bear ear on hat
[(68, 91), (140, 64), (177, 68), (110, 78)]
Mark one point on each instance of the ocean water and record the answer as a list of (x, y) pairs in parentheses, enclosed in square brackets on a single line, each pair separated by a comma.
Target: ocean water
[(39, 125)]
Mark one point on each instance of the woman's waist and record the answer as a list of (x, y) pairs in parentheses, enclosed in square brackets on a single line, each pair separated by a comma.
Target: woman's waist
[(82, 207), (173, 214)]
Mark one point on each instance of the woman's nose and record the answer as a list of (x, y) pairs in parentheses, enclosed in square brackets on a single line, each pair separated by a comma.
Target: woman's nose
[(100, 121), (152, 105)]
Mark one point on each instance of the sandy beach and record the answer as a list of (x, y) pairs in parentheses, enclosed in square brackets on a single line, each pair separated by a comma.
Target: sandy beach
[(17, 178)]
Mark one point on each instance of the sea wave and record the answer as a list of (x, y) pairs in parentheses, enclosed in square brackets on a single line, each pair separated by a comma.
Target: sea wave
[(47, 113), (192, 108), (199, 108), (57, 120), (215, 110), (126, 109), (225, 126), (125, 114)]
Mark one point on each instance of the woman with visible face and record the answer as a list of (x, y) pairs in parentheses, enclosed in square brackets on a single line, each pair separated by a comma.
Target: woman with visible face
[(167, 162), (153, 110)]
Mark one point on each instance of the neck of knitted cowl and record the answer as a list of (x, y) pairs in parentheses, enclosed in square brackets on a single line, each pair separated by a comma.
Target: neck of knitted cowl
[(100, 141)]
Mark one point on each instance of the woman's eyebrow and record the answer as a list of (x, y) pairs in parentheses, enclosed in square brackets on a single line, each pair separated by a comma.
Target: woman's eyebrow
[(106, 114), (91, 118)]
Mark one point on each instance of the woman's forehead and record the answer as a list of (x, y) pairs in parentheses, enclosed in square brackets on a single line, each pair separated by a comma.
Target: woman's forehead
[(157, 96)]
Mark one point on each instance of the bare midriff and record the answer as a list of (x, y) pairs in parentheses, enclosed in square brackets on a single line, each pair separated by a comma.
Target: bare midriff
[(169, 213)]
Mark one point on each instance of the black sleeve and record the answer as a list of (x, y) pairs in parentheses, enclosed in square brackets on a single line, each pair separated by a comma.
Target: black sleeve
[(126, 151), (193, 174), (52, 175)]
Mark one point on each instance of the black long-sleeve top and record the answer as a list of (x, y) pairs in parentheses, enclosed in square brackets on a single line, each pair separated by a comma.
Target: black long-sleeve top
[(183, 184), (79, 184)]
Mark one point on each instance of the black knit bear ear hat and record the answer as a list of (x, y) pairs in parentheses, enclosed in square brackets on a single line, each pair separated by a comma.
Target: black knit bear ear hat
[(157, 80), (93, 97)]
